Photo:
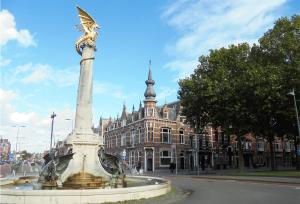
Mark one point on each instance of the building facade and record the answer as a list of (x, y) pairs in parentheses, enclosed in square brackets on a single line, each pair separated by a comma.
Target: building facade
[(5, 148), (156, 136), (152, 135)]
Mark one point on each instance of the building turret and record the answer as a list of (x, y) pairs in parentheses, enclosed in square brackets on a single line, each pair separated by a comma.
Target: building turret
[(150, 102), (150, 93)]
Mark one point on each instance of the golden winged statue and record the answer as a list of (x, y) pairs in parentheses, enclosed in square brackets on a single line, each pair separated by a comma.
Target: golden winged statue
[(88, 26)]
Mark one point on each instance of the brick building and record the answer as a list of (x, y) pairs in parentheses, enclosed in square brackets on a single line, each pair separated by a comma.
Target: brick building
[(151, 134)]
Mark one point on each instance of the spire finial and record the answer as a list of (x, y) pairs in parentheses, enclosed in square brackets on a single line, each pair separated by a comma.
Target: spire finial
[(150, 93)]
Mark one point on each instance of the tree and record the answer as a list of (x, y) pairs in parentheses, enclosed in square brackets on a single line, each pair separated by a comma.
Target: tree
[(219, 92), (25, 155), (278, 63)]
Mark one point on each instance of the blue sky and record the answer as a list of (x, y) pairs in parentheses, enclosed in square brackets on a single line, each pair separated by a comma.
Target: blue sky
[(39, 65)]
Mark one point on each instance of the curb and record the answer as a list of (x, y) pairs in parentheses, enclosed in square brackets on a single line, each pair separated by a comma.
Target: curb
[(242, 180)]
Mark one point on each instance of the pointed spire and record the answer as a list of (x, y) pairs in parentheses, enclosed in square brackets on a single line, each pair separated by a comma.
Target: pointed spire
[(140, 105), (149, 72), (124, 106), (124, 112), (133, 108), (150, 93)]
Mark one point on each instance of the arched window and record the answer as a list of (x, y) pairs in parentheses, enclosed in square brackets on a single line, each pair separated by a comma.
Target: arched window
[(165, 135)]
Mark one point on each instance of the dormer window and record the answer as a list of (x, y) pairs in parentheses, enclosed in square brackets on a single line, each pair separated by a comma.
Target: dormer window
[(166, 115), (150, 112), (123, 123)]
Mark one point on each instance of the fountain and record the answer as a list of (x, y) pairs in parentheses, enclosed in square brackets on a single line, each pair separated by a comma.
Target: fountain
[(85, 174)]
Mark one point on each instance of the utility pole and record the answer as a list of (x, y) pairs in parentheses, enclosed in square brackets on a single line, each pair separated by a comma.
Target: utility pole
[(297, 138)]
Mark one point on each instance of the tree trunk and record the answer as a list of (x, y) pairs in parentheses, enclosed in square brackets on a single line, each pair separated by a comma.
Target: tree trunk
[(240, 154), (272, 155)]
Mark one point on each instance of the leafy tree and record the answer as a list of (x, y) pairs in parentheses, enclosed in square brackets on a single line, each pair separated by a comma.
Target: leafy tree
[(278, 60), (218, 92)]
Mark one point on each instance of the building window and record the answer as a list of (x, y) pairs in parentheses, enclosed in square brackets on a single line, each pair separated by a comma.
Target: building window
[(165, 115), (165, 158), (182, 119), (132, 137), (131, 159), (123, 123), (150, 132), (116, 140), (181, 136), (278, 147), (248, 145), (123, 139), (150, 112), (139, 156), (165, 135), (260, 145), (139, 134)]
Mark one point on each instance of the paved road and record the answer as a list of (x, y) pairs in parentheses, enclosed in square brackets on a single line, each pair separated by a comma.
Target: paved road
[(234, 192)]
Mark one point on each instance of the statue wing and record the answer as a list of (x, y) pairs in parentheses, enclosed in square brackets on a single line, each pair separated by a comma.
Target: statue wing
[(86, 20)]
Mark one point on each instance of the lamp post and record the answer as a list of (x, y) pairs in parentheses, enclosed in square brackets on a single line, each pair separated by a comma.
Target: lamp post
[(297, 138), (52, 123), (18, 131)]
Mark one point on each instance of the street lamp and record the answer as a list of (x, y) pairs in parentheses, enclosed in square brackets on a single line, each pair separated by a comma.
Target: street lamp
[(292, 93), (52, 123), (18, 131)]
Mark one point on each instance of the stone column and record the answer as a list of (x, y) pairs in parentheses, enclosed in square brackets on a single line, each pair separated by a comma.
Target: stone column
[(83, 119)]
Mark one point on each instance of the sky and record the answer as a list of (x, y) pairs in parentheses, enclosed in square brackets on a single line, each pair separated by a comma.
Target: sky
[(39, 65)]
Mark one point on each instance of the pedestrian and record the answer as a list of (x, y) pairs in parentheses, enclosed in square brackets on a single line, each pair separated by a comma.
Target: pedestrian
[(172, 167), (203, 163), (139, 166)]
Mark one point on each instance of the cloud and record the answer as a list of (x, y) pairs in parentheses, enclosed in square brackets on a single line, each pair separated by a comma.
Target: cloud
[(45, 74), (164, 92), (4, 62), (112, 90), (209, 24), (35, 136), (41, 73), (9, 31)]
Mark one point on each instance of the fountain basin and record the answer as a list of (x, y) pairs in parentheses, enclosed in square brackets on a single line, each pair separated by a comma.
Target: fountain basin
[(155, 187)]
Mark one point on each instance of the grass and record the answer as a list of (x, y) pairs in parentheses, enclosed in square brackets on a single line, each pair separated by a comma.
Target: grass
[(286, 173)]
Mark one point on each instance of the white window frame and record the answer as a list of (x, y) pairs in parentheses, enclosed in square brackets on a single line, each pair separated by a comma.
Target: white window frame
[(132, 139), (123, 139), (161, 156), (162, 134), (139, 134)]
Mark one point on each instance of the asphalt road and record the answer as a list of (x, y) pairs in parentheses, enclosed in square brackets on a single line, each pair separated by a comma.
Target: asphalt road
[(202, 191)]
